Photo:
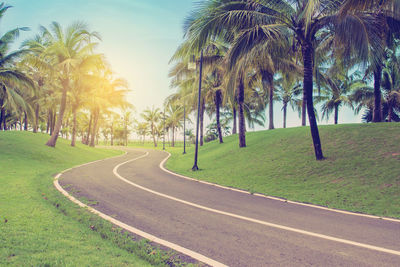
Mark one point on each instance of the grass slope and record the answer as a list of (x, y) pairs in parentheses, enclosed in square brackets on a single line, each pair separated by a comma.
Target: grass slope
[(38, 226), (361, 172)]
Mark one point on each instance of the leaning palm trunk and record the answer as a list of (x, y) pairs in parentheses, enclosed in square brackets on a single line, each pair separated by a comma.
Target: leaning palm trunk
[(242, 126), (218, 96), (307, 50), (53, 139), (53, 121), (73, 138)]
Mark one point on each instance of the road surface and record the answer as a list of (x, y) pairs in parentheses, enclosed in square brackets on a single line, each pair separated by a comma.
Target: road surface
[(233, 228)]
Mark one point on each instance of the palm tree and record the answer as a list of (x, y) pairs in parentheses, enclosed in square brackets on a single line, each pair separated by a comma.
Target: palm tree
[(337, 85), (81, 82), (106, 93), (288, 89), (174, 113), (385, 17), (152, 116), (213, 73), (127, 121), (391, 84), (62, 53), (13, 82), (141, 129), (260, 22)]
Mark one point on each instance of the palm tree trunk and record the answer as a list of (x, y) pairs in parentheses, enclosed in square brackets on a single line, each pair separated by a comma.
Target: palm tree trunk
[(25, 121), (268, 84), (377, 113), (154, 135), (218, 98), (390, 110), (36, 124), (89, 128), (202, 110), (271, 105), (234, 128), (48, 122), (53, 139), (112, 135), (2, 114), (173, 136), (303, 109), (53, 121), (94, 128), (5, 121), (284, 114), (3, 126), (242, 126), (307, 50), (336, 113), (73, 138)]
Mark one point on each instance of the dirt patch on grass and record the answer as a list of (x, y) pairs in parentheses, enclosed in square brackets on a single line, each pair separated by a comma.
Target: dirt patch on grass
[(336, 181)]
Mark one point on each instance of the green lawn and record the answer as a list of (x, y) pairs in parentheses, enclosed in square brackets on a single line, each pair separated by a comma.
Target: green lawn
[(361, 172), (40, 227)]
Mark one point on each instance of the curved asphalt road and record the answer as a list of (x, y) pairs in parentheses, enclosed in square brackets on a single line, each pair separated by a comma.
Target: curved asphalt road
[(231, 240)]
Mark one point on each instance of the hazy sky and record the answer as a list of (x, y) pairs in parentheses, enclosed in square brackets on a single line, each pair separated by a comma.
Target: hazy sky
[(139, 38)]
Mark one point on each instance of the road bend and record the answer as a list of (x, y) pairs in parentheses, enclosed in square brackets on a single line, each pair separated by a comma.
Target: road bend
[(233, 228)]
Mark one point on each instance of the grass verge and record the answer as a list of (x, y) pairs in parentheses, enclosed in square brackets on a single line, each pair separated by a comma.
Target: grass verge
[(361, 172), (40, 227)]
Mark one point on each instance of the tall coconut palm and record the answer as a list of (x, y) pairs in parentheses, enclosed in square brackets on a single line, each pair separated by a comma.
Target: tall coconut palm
[(62, 53), (82, 79), (337, 87), (174, 112), (288, 89), (152, 116), (106, 92)]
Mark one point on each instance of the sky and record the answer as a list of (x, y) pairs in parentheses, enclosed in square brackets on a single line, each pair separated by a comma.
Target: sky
[(138, 39)]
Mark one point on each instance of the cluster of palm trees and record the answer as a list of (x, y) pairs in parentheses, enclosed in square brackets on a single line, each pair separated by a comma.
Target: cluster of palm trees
[(161, 123), (57, 83), (298, 52)]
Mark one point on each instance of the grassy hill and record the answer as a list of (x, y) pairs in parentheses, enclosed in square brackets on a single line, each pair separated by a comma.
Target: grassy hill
[(39, 226), (361, 171)]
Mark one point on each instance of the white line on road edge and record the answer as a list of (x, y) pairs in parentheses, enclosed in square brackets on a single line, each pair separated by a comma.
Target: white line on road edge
[(148, 236), (326, 237), (273, 198)]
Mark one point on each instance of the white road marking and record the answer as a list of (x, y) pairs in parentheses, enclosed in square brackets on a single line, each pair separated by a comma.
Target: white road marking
[(134, 230), (273, 198), (326, 237)]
